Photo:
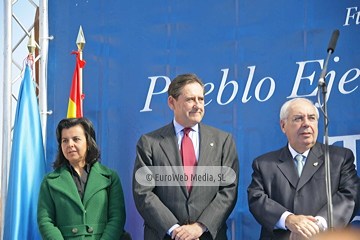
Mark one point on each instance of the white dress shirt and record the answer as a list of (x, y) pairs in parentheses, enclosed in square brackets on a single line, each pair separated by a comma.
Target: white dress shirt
[(195, 137)]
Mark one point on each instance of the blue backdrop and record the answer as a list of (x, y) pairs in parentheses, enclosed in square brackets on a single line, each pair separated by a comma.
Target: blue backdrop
[(253, 56)]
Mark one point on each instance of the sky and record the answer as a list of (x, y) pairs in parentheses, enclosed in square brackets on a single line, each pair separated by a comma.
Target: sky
[(25, 12)]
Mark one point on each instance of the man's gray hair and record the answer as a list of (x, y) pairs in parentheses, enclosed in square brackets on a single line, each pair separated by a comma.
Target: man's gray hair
[(284, 111)]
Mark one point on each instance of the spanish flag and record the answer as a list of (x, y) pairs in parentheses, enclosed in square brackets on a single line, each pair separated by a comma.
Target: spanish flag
[(75, 100)]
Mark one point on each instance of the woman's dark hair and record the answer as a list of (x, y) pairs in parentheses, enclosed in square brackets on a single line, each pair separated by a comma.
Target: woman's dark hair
[(93, 153)]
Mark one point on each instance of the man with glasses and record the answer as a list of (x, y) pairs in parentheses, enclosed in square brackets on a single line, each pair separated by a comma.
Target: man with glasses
[(287, 195)]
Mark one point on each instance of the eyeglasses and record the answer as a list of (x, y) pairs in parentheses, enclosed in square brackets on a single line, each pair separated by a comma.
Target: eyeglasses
[(301, 119)]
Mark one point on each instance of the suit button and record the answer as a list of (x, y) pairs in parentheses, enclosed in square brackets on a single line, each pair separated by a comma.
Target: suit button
[(90, 230), (74, 230)]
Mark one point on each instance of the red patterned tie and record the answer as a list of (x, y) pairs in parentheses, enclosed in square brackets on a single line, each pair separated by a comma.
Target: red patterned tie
[(188, 156)]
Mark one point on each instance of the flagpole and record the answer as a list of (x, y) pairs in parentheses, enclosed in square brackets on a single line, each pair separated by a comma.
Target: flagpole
[(31, 44), (80, 42), (25, 173)]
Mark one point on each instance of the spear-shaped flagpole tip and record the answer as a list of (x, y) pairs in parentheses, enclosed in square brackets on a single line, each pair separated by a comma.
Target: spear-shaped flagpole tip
[(31, 43), (80, 41)]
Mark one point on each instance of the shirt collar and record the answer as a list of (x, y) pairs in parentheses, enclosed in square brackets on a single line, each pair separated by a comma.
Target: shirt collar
[(179, 128), (72, 170), (294, 153)]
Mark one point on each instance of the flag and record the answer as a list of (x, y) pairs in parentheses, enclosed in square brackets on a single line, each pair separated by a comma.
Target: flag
[(75, 99), (27, 166)]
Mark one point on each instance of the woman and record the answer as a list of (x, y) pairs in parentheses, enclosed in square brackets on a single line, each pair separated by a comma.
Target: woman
[(80, 199)]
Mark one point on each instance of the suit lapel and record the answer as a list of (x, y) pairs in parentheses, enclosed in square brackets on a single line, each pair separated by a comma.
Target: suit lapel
[(313, 163), (287, 167), (62, 182), (169, 145), (205, 153), (206, 144), (98, 179)]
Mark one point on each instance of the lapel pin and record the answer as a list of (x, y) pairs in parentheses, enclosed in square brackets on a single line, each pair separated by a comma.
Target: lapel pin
[(211, 144), (315, 164)]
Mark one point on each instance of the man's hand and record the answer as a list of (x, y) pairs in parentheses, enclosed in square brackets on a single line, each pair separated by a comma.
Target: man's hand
[(304, 226), (188, 232)]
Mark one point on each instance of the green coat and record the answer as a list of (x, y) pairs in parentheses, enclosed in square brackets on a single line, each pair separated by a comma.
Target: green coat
[(62, 214)]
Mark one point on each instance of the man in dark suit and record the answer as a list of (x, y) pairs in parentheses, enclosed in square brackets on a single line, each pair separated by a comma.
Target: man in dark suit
[(287, 196), (181, 211)]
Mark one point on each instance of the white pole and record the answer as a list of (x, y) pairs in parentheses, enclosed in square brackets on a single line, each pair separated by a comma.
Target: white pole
[(44, 43), (6, 143)]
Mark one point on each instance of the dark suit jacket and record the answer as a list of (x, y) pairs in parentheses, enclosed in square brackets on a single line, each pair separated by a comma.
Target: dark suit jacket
[(162, 207), (61, 211), (276, 188)]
